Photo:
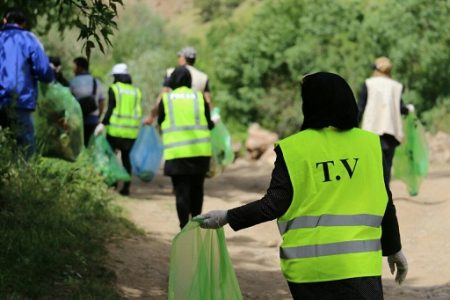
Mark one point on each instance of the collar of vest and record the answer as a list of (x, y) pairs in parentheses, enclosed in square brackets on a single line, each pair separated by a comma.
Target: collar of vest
[(122, 84), (182, 89)]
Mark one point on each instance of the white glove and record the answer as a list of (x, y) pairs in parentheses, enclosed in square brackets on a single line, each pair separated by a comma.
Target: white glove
[(213, 219), (215, 119), (99, 129), (410, 108), (399, 260)]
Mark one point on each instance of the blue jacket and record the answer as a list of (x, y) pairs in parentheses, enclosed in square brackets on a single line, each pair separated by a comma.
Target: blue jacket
[(22, 63)]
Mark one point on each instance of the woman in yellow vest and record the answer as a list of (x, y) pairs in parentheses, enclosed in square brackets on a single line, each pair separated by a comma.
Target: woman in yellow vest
[(185, 122), (123, 117), (330, 197)]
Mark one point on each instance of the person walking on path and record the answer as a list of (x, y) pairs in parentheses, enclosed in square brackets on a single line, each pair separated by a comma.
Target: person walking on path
[(330, 196), (381, 106), (200, 82), (23, 63), (123, 117), (185, 122), (88, 91)]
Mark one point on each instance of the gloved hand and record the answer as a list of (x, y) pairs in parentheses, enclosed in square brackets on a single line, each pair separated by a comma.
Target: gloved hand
[(399, 260), (99, 129), (410, 108), (213, 219), (215, 119)]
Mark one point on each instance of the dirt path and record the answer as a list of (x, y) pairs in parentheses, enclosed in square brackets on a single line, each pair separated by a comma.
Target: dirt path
[(141, 263)]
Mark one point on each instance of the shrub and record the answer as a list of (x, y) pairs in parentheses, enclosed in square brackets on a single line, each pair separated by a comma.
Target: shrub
[(55, 219), (259, 67)]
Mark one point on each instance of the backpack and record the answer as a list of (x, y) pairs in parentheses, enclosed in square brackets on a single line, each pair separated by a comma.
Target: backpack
[(88, 103)]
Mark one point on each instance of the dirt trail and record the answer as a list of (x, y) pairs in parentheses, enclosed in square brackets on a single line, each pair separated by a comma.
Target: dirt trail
[(141, 263)]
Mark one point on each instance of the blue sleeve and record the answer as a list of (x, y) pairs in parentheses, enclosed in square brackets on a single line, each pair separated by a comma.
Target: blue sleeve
[(39, 61)]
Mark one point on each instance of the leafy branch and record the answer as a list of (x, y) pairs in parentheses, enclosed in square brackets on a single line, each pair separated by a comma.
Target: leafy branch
[(95, 19)]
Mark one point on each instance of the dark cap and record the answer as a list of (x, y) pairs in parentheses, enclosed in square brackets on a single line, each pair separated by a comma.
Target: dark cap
[(14, 15)]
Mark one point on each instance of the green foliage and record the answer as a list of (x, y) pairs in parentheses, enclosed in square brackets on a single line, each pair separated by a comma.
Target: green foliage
[(258, 69), (143, 43), (210, 9), (438, 118), (93, 18), (55, 219), (147, 46)]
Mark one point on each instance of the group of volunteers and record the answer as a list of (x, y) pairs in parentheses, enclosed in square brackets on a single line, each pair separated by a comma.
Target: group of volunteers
[(329, 189)]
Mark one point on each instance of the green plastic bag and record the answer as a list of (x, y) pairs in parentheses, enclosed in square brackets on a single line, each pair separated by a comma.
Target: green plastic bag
[(59, 123), (200, 268), (105, 160), (222, 151), (411, 157)]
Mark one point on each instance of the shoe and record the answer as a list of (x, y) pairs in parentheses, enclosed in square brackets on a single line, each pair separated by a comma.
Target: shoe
[(124, 192)]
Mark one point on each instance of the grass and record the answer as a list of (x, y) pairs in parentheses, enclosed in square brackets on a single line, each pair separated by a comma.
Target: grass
[(56, 218)]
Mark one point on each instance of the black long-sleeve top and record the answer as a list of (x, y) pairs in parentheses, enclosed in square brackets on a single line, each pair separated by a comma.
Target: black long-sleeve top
[(279, 197), (111, 106)]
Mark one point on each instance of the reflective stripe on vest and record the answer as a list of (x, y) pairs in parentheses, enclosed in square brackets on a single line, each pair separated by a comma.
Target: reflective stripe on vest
[(330, 220), (332, 229), (127, 114), (330, 249), (184, 143), (185, 128)]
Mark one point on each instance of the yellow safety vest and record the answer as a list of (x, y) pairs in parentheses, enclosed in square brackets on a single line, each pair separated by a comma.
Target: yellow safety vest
[(185, 128), (126, 116), (332, 229)]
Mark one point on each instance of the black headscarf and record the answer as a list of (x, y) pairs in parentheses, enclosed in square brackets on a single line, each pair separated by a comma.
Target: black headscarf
[(180, 77), (124, 78), (328, 101)]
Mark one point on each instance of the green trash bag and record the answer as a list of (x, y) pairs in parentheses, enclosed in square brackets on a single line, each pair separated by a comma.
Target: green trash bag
[(222, 151), (58, 123), (105, 160), (411, 157), (200, 268)]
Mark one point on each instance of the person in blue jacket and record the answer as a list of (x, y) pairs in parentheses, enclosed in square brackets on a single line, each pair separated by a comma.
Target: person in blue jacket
[(22, 64)]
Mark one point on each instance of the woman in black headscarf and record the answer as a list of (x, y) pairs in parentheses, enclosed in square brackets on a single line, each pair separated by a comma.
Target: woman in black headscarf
[(309, 200), (187, 166)]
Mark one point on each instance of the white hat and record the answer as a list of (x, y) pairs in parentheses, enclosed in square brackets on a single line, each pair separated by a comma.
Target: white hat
[(187, 52), (119, 69)]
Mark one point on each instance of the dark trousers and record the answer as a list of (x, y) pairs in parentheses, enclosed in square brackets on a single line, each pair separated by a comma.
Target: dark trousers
[(21, 124), (388, 145), (124, 146), (88, 131), (189, 196), (364, 288)]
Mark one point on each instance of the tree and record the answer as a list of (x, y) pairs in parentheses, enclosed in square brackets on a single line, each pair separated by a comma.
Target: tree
[(93, 18), (210, 9), (259, 69)]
